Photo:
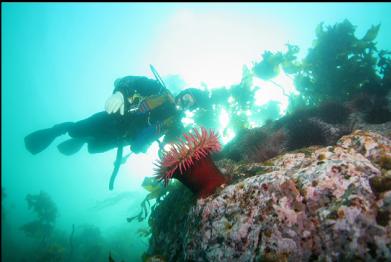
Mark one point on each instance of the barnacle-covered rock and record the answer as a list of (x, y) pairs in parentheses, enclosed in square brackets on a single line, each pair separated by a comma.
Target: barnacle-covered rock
[(327, 204)]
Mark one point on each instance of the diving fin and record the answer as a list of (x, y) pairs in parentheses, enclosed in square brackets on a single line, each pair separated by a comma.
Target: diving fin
[(71, 146), (41, 139)]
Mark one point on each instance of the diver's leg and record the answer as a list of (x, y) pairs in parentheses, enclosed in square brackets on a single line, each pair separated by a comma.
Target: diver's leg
[(98, 125), (41, 139), (102, 145), (62, 128), (102, 132)]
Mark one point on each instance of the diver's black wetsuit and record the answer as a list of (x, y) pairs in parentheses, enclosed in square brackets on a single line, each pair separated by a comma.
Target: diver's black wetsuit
[(105, 131), (142, 123), (102, 131)]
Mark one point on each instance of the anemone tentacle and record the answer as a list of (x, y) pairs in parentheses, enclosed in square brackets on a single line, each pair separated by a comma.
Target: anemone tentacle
[(186, 152)]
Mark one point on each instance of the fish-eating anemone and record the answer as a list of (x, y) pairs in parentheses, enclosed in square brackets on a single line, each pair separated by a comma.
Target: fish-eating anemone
[(190, 162)]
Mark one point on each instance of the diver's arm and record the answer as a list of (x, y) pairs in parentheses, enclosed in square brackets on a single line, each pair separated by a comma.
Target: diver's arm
[(123, 94), (126, 87), (115, 103)]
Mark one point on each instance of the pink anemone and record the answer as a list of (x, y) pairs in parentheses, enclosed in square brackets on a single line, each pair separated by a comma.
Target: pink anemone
[(190, 162)]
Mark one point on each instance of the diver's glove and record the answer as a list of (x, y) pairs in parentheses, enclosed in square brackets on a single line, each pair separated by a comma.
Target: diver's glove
[(115, 102)]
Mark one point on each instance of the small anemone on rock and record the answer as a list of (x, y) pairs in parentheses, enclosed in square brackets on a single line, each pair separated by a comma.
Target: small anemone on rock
[(190, 162)]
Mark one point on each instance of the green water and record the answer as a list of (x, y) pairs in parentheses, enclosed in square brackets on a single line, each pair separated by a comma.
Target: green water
[(59, 62)]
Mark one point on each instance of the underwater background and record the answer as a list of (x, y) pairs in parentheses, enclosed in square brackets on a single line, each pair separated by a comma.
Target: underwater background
[(59, 63)]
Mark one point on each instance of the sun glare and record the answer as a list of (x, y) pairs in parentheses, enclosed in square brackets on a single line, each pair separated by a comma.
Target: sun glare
[(211, 47), (278, 89)]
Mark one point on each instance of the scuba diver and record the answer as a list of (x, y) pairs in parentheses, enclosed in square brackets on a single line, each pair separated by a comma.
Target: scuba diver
[(139, 112)]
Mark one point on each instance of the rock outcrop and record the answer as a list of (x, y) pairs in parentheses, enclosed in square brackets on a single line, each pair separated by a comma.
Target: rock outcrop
[(319, 203)]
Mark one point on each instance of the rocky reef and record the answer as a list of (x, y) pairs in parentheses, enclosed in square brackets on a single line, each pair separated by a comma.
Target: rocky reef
[(329, 203)]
